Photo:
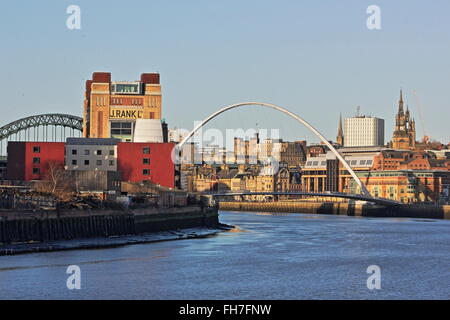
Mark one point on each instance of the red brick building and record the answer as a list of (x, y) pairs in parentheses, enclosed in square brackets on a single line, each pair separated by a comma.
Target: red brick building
[(136, 162), (408, 160), (33, 160), (146, 162)]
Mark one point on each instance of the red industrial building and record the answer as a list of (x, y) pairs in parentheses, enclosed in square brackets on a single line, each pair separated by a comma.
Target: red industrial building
[(136, 162), (146, 161), (33, 160)]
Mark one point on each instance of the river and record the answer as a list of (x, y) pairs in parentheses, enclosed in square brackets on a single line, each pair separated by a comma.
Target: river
[(267, 256)]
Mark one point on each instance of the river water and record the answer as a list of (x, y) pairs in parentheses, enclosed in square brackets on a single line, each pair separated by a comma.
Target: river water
[(267, 256)]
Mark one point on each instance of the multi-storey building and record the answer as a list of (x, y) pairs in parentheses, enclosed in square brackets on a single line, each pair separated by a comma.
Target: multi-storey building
[(111, 108), (409, 160), (406, 186), (325, 173), (244, 178), (134, 162), (91, 154), (268, 150), (34, 160), (363, 131), (152, 162)]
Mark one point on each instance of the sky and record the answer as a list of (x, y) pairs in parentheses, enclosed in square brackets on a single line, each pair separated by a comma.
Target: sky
[(315, 58)]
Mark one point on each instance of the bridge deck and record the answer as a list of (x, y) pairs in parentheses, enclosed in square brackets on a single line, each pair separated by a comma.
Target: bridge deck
[(380, 201)]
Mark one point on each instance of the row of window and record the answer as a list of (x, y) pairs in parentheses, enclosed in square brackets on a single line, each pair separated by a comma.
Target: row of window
[(96, 152), (145, 161), (145, 172), (136, 101), (87, 162), (145, 150), (352, 163), (101, 100)]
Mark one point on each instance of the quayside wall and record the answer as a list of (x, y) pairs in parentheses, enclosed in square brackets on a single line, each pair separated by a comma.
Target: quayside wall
[(51, 226), (342, 208)]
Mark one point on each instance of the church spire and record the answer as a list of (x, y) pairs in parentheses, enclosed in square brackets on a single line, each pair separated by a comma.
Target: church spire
[(340, 136), (400, 102)]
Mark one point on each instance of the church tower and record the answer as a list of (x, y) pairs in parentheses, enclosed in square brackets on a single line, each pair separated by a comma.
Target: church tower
[(404, 136), (340, 135)]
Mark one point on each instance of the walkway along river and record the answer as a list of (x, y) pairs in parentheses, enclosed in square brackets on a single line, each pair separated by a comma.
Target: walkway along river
[(267, 256)]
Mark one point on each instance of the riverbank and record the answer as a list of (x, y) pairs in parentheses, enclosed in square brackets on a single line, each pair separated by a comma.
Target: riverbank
[(342, 208), (22, 232), (111, 242)]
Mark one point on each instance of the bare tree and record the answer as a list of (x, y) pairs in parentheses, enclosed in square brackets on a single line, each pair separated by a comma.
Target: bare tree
[(55, 174)]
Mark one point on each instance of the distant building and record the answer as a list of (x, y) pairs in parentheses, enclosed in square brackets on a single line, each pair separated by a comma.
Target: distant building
[(406, 186), (404, 136), (138, 162), (177, 135), (363, 131), (325, 173), (111, 108), (3, 164), (84, 154), (94, 159), (340, 135), (34, 160), (253, 151)]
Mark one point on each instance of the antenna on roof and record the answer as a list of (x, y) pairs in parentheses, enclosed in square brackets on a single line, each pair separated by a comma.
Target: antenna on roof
[(357, 110)]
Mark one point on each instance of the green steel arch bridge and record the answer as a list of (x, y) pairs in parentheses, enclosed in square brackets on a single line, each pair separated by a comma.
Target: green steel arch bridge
[(42, 127)]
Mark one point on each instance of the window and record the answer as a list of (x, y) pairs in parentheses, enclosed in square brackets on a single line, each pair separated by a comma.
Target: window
[(99, 162), (146, 150), (74, 151), (125, 88), (99, 152), (36, 160), (86, 162), (146, 161), (111, 152), (146, 172), (86, 152), (121, 128), (111, 162), (36, 171), (36, 149), (74, 162)]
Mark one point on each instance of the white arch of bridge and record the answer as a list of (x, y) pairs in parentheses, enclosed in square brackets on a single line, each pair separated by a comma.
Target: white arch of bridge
[(292, 115)]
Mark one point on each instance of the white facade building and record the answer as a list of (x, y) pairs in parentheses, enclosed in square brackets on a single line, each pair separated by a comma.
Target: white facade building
[(362, 131), (148, 130)]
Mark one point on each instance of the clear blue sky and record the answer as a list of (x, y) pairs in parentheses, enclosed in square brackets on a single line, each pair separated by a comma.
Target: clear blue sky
[(316, 58)]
